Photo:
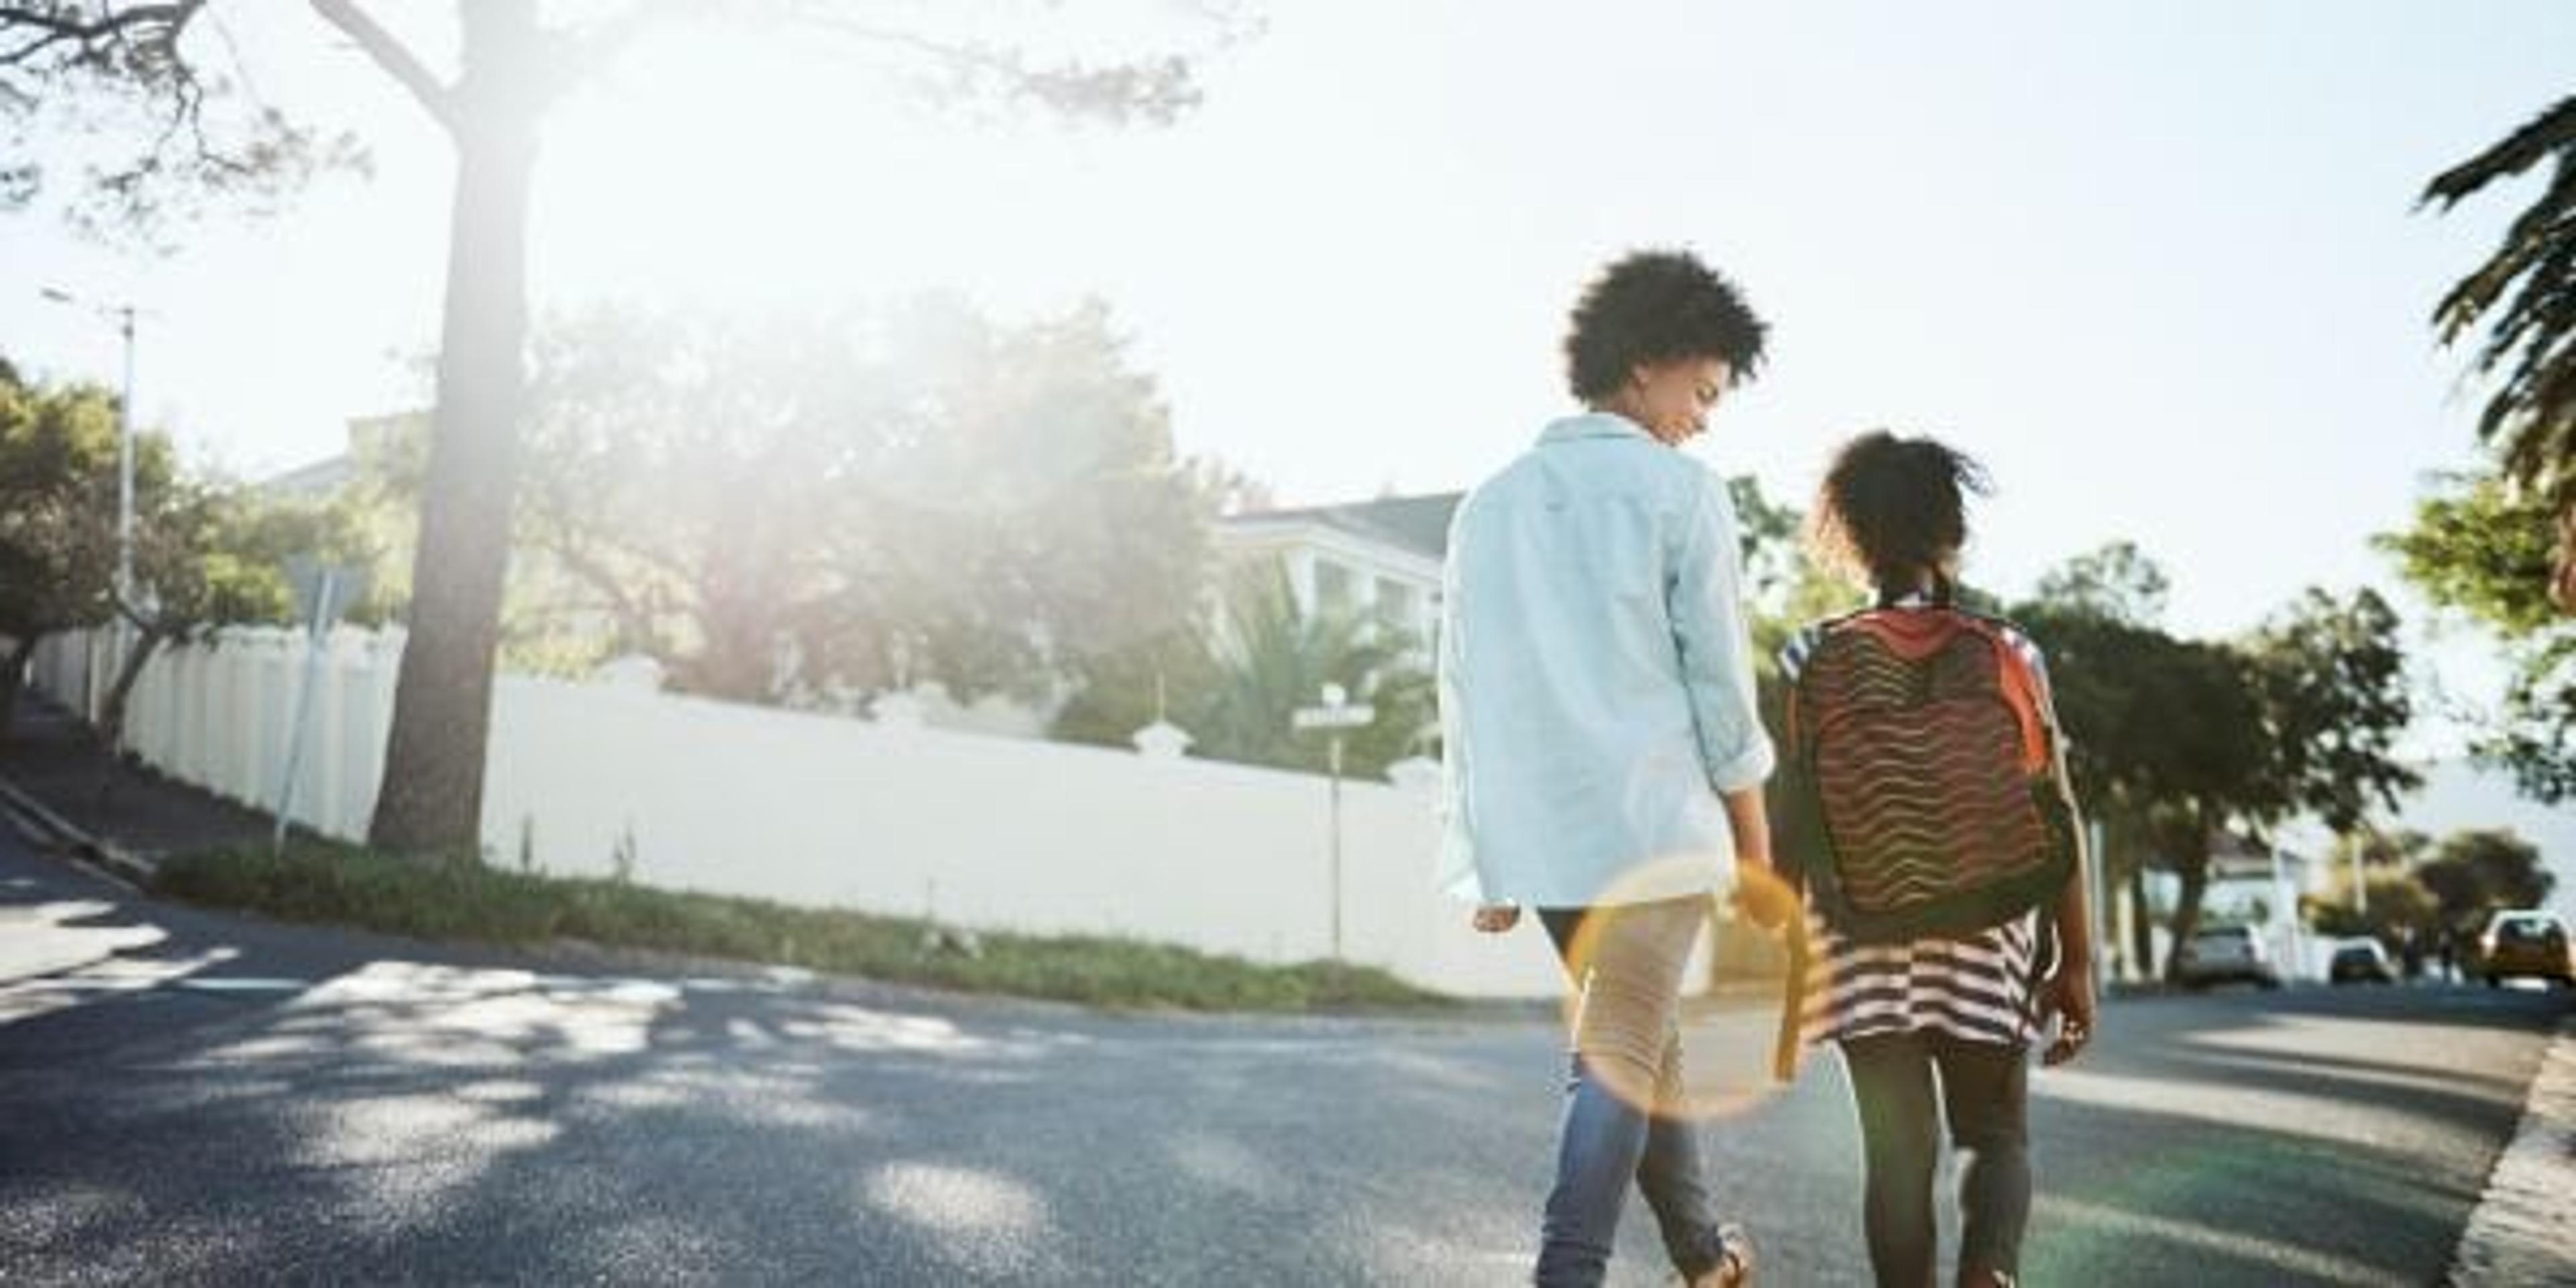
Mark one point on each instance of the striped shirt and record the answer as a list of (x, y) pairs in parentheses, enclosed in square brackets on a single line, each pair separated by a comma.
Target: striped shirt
[(1979, 988)]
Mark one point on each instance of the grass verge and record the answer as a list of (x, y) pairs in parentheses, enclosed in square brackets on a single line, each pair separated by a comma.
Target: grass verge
[(347, 886)]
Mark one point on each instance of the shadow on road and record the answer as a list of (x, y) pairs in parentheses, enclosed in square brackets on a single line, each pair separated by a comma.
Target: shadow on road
[(226, 1100)]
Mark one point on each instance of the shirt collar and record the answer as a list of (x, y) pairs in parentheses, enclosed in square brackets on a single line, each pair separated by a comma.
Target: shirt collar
[(1594, 424)]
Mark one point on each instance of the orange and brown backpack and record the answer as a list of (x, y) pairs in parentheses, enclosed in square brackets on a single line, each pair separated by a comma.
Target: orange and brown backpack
[(1924, 776)]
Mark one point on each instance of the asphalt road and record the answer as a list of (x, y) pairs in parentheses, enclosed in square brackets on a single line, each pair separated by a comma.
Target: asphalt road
[(192, 1097)]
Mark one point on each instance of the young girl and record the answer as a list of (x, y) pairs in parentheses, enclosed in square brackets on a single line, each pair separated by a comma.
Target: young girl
[(1966, 1009)]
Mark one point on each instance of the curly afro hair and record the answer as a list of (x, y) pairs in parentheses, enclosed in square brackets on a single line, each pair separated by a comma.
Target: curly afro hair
[(1891, 507), (1657, 306)]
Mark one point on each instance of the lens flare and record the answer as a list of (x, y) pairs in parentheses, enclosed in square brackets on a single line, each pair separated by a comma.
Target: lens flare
[(1734, 1018)]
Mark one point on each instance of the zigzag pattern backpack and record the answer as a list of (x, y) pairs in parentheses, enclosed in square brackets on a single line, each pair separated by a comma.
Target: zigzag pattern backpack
[(1925, 776)]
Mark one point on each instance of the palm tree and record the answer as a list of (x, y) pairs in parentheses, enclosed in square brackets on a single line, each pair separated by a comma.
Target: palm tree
[(2529, 285), (1273, 657), (1235, 679)]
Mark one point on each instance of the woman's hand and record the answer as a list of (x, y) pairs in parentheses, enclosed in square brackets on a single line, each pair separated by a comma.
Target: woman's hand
[(1761, 897), (1495, 918), (2069, 999)]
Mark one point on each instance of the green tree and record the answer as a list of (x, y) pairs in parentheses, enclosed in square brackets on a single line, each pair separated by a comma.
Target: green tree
[(2394, 905), (2116, 583), (2394, 900), (2476, 872), (2206, 763), (2170, 741), (2372, 849), (58, 452), (2480, 547), (1235, 686), (1785, 585), (977, 505), (2164, 736), (2331, 680), (1272, 658), (210, 553), (1165, 678), (511, 67), (2326, 684), (2524, 297)]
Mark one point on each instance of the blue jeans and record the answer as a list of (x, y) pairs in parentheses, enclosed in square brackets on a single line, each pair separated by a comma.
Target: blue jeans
[(1627, 1054)]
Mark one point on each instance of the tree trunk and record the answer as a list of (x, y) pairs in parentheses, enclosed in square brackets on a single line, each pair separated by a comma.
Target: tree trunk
[(2141, 923), (431, 799), (111, 715), (2191, 863), (13, 677)]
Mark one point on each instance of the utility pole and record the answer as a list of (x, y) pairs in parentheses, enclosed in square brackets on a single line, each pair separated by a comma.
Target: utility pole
[(124, 316), (124, 589)]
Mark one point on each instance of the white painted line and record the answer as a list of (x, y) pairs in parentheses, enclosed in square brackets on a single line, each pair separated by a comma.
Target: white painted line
[(2522, 1232), (244, 984)]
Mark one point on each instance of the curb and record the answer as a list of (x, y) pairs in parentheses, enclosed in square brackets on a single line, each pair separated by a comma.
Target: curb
[(61, 832), (2518, 1232)]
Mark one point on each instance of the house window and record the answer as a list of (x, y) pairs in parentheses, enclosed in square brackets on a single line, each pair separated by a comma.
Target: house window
[(1332, 589), (1395, 605)]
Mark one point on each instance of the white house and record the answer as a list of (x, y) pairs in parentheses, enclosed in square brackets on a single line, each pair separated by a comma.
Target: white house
[(2259, 887), (1380, 558)]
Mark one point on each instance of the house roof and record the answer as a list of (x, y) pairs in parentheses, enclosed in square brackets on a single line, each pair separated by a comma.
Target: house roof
[(321, 478), (1419, 524), (2234, 855)]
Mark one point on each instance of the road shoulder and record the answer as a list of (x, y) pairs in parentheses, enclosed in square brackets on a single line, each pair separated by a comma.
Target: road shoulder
[(2519, 1232)]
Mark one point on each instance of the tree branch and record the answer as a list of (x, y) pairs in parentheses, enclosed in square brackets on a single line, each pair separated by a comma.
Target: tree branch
[(55, 28), (396, 58), (589, 52), (1159, 89)]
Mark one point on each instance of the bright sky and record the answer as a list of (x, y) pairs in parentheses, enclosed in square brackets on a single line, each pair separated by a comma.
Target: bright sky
[(2157, 263)]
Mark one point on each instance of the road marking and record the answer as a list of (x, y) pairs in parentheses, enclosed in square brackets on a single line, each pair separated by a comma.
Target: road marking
[(244, 984), (2519, 1233)]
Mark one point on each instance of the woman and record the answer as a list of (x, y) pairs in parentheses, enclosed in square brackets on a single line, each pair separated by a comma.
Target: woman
[(1603, 749), (1965, 1008)]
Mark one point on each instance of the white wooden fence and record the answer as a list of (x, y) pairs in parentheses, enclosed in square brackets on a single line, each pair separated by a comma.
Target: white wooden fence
[(883, 815)]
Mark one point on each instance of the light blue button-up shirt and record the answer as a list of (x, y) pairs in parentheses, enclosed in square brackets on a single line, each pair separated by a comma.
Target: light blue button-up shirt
[(1596, 679)]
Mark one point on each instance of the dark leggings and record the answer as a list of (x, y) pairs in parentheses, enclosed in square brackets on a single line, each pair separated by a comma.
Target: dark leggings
[(1984, 1090)]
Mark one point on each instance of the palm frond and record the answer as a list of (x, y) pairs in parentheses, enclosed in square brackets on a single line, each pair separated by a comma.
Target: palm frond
[(2524, 296), (2553, 132)]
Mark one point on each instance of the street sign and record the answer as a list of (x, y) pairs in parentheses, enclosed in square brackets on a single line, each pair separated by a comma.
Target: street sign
[(1343, 717)]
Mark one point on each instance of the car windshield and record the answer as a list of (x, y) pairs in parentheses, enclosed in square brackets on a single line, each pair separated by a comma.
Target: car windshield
[(2525, 928)]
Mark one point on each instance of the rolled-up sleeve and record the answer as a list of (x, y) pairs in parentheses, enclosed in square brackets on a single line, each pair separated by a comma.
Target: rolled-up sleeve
[(1716, 650)]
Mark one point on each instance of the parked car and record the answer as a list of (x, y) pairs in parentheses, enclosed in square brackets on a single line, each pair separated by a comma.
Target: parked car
[(2226, 954), (2360, 961), (2527, 943)]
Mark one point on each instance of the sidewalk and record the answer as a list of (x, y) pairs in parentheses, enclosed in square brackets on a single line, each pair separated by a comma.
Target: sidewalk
[(50, 770)]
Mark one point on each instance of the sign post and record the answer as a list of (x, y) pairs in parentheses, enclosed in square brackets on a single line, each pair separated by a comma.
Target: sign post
[(1336, 714)]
